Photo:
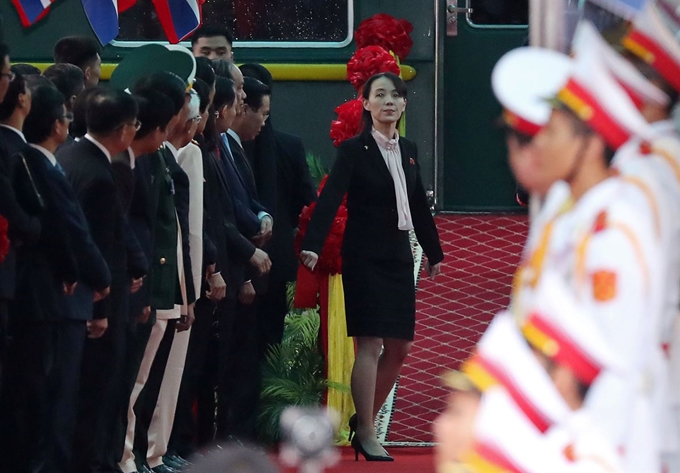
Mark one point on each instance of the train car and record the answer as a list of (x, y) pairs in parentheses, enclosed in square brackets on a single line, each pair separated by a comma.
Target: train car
[(451, 112)]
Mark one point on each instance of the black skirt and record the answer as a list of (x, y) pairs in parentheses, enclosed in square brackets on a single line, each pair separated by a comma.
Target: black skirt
[(380, 298)]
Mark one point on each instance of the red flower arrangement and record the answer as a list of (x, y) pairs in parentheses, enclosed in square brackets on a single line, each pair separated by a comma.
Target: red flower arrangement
[(330, 259), (386, 31), (4, 239), (367, 62), (348, 124)]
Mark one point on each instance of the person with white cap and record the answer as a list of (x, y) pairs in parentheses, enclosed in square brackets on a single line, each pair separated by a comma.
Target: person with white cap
[(653, 47), (650, 168), (522, 83), (593, 236), (605, 247)]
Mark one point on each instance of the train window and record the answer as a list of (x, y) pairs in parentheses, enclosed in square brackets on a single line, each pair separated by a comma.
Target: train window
[(499, 12), (253, 21)]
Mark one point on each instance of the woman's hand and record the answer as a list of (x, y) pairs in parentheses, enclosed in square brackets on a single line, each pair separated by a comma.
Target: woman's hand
[(433, 270), (309, 259)]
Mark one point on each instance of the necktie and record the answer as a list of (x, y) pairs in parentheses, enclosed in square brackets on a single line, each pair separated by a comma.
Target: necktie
[(59, 168)]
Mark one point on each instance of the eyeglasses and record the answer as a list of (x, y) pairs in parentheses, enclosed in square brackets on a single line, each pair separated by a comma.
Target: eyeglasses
[(67, 116), (196, 119), (136, 124), (10, 75)]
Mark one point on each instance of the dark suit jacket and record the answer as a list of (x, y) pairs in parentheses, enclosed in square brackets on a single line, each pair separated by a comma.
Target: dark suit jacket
[(234, 250), (246, 205), (138, 265), (90, 173), (371, 232), (284, 186), (41, 268), (21, 227)]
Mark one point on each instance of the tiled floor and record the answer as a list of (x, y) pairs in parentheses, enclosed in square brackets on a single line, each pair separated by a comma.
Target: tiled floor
[(482, 252)]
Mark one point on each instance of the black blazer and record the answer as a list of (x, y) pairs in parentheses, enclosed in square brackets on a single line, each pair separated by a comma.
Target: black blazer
[(41, 268), (234, 249), (371, 232), (21, 226), (284, 186), (90, 173)]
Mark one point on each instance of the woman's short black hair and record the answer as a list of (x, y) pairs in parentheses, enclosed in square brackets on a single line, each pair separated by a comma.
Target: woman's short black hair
[(224, 93), (165, 82), (109, 110), (47, 106), (203, 91), (155, 111), (15, 89), (205, 71), (399, 85)]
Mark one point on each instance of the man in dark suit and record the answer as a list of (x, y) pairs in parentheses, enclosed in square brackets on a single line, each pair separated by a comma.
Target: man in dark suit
[(49, 337), (235, 251), (22, 227), (285, 186), (255, 223), (111, 124)]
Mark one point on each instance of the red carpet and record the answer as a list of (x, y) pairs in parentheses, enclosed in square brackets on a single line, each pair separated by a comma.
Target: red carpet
[(482, 252), (406, 460)]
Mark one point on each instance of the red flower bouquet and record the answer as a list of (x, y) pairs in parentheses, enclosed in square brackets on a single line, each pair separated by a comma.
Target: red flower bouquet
[(367, 62), (386, 31), (4, 239), (330, 259), (348, 124)]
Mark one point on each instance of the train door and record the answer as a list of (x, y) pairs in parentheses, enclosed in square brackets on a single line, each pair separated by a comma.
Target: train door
[(476, 176)]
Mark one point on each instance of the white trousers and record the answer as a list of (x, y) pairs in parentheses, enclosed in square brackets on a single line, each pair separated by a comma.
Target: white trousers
[(127, 463), (160, 427)]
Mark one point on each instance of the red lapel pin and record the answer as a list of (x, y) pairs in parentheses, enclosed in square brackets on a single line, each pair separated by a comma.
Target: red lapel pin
[(411, 161)]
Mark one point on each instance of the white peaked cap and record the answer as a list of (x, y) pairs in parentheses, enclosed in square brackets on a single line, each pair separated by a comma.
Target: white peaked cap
[(654, 39), (561, 329), (595, 96), (523, 79), (503, 358), (634, 83)]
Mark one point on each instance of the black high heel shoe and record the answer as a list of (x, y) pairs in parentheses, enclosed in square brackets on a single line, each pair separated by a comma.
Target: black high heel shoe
[(352, 427), (358, 448)]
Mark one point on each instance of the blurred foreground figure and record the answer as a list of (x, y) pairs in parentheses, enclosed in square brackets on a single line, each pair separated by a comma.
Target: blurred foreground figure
[(234, 459)]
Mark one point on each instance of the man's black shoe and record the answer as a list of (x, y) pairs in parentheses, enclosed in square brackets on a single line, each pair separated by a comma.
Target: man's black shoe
[(172, 463), (163, 469)]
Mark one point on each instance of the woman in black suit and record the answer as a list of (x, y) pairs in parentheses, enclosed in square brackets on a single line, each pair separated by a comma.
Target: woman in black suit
[(379, 172)]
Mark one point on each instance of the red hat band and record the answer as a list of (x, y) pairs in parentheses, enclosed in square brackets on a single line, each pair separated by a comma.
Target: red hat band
[(533, 414), (649, 51), (520, 124), (588, 109), (560, 348)]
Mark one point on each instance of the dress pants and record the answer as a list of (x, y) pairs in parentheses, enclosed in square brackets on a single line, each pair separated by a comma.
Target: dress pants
[(163, 417), (138, 338), (100, 385), (184, 431), (37, 410), (238, 390), (158, 330), (272, 308)]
